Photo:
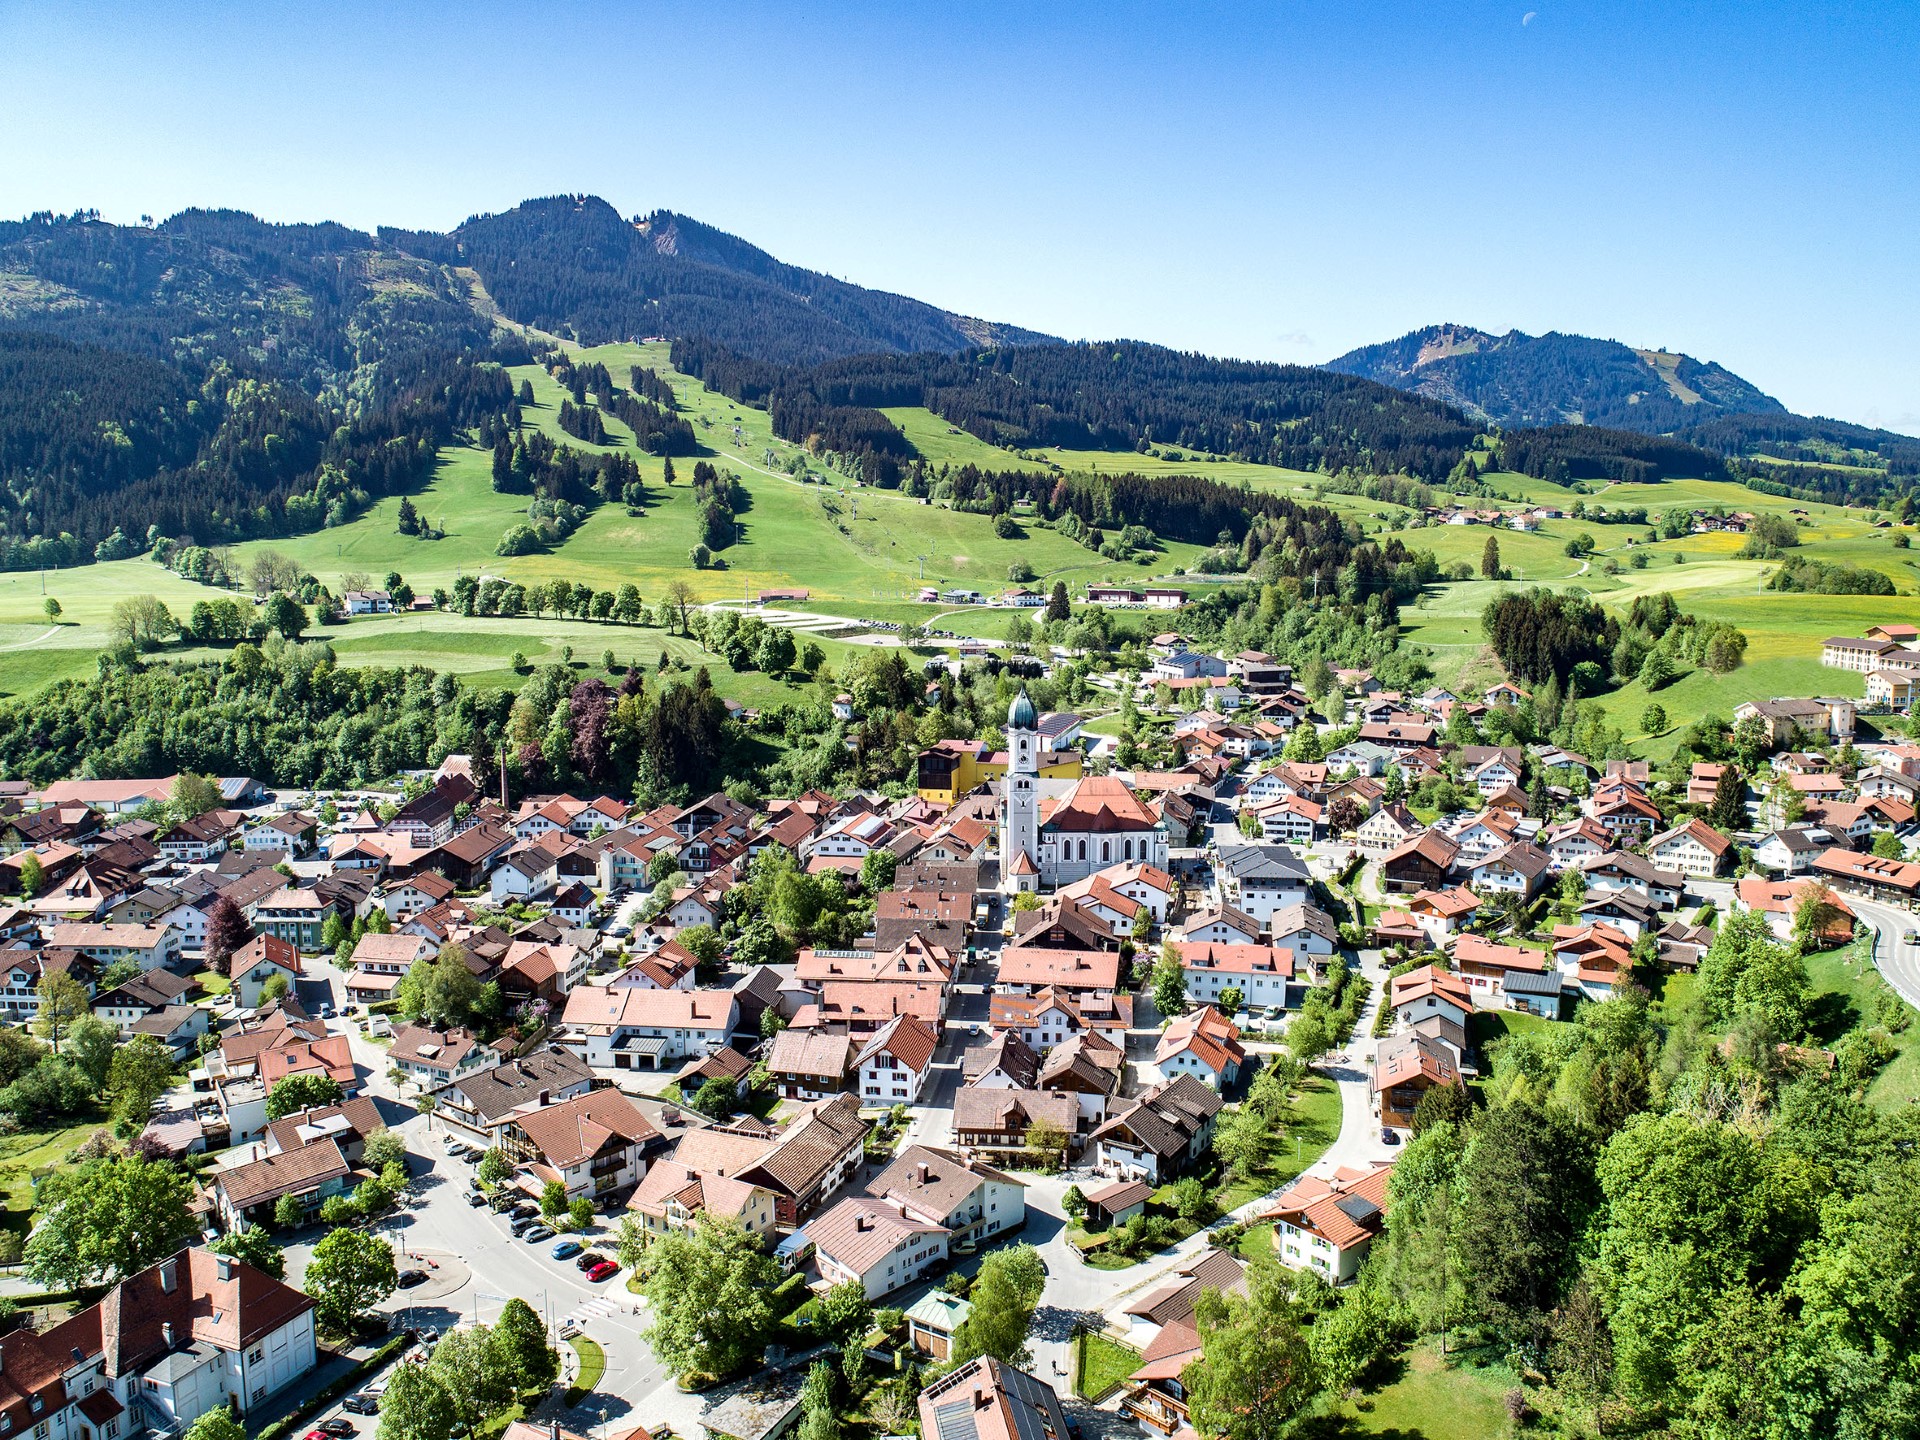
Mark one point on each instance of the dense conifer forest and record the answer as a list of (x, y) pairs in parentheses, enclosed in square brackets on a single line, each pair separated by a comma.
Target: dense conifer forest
[(1564, 453), (572, 265), (101, 452), (1120, 395)]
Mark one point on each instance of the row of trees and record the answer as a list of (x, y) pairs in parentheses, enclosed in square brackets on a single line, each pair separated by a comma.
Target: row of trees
[(473, 1373)]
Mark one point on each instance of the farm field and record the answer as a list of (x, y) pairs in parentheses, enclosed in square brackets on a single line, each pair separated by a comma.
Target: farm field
[(1713, 582)]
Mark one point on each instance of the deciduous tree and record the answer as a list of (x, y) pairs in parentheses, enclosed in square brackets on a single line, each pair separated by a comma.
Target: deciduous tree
[(415, 1407), (708, 1289), (227, 931), (139, 1075), (302, 1092), (1003, 1297), (1256, 1373), (63, 1001), (254, 1246), (105, 1219), (351, 1272), (521, 1349)]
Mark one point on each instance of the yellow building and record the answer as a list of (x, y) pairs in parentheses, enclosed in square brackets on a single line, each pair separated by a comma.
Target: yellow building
[(955, 768)]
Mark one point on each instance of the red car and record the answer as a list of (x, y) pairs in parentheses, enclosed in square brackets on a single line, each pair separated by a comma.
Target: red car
[(604, 1270)]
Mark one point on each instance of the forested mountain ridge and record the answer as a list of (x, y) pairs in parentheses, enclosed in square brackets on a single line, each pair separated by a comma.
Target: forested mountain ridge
[(573, 266), (1120, 395), (1518, 379), (326, 308)]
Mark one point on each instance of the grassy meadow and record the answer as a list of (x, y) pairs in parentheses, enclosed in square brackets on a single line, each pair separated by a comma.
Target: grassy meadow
[(1706, 575), (864, 553)]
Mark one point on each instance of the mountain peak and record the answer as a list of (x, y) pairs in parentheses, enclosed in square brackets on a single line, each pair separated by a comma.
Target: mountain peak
[(1552, 379)]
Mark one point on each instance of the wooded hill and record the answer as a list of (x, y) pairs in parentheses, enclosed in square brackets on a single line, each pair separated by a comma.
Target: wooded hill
[(1572, 406), (1517, 379), (215, 377), (1112, 395), (571, 265)]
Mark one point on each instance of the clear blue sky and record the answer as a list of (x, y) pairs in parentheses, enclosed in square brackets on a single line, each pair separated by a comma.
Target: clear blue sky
[(1281, 180)]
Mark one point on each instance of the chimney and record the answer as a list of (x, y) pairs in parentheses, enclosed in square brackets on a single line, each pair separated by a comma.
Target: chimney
[(922, 1172), (863, 1222), (981, 1399), (223, 1267), (543, 1097), (166, 1333), (168, 1276)]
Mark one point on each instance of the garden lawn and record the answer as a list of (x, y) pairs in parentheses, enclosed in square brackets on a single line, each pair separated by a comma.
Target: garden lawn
[(1488, 1025), (1311, 1124), (1257, 1241), (1101, 1364), (1845, 985), (31, 1150), (1433, 1401)]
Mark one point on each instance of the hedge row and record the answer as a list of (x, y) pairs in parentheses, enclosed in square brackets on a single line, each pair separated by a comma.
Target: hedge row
[(350, 1381)]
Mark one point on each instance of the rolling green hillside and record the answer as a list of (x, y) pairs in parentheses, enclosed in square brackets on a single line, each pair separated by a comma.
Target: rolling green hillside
[(1784, 630), (836, 541), (858, 552)]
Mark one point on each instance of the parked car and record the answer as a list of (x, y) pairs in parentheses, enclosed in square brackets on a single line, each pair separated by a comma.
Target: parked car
[(537, 1234), (605, 1270), (476, 1199), (588, 1260), (362, 1404), (521, 1224), (336, 1427), (411, 1278), (565, 1249)]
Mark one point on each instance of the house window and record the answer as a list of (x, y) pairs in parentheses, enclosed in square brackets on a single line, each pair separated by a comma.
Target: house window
[(254, 1355)]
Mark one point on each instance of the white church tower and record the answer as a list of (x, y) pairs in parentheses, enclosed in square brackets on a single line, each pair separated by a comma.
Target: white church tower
[(1020, 812)]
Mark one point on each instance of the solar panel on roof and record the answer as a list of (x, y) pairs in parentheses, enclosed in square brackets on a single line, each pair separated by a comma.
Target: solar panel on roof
[(1357, 1208)]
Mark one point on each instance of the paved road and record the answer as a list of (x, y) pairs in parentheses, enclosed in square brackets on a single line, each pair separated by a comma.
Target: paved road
[(1897, 961), (1358, 1142), (478, 1267)]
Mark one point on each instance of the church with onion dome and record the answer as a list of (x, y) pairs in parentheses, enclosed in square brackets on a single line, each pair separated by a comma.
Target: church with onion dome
[(1050, 840)]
